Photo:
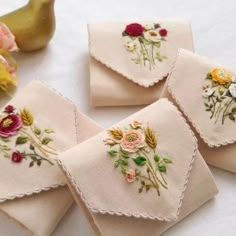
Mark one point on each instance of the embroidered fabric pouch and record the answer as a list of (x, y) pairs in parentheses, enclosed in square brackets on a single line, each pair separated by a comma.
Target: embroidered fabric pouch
[(129, 59), (139, 177), (35, 126), (205, 91)]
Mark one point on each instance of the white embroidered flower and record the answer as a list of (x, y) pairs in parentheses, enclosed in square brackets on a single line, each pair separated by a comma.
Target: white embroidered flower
[(207, 92), (234, 79), (148, 27), (232, 90), (130, 46), (152, 36)]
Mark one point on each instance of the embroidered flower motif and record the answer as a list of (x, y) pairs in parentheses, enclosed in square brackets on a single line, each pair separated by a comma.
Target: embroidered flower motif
[(132, 141), (9, 109), (163, 32), (20, 129), (131, 46), (134, 29), (207, 92), (17, 157), (130, 175), (220, 76), (232, 90), (220, 95), (144, 43), (9, 125), (134, 152)]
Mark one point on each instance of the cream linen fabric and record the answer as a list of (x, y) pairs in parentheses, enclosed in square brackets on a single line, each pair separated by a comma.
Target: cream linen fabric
[(116, 208), (114, 77), (184, 88), (51, 109)]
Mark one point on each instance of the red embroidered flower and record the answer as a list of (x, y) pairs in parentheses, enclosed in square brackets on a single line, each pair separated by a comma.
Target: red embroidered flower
[(17, 157), (163, 32), (9, 109), (134, 29), (9, 125)]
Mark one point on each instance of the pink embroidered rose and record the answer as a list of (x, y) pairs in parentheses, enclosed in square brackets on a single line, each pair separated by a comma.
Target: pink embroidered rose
[(9, 125), (7, 39), (163, 32), (134, 29), (130, 176), (17, 157), (9, 109), (132, 140)]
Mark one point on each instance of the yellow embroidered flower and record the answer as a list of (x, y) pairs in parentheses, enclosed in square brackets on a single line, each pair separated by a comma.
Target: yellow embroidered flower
[(6, 79), (220, 76)]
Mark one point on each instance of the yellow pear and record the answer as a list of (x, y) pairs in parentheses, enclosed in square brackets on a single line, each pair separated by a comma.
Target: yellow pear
[(33, 24)]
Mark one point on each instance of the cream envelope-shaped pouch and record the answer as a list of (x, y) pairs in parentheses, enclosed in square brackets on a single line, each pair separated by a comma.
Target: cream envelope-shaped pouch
[(127, 60), (141, 176), (205, 91), (36, 126)]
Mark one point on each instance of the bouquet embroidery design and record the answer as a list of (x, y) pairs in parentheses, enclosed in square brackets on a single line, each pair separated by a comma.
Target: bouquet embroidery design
[(220, 95), (21, 140), (144, 42), (134, 152)]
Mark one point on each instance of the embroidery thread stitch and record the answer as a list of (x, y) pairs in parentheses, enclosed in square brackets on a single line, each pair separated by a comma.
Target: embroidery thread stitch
[(220, 95), (19, 128), (144, 43), (134, 151)]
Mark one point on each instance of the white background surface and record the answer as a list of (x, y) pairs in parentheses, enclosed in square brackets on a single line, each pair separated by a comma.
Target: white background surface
[(64, 65)]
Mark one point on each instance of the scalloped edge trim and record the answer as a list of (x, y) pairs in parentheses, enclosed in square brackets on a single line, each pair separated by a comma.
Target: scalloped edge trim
[(178, 103), (45, 189), (105, 63), (71, 180)]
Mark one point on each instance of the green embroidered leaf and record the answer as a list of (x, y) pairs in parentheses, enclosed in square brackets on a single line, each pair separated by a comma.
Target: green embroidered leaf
[(140, 189), (21, 140), (156, 158), (31, 164), (49, 131), (39, 162), (147, 187), (125, 155), (37, 131), (124, 34), (234, 110), (162, 168), (116, 163), (6, 140), (123, 170), (140, 160), (112, 153), (209, 76), (157, 44), (46, 141), (231, 117), (167, 160), (32, 147), (124, 162), (6, 155)]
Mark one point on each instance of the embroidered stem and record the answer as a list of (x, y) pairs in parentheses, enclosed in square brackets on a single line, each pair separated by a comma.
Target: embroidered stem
[(40, 141), (41, 158), (153, 172), (34, 143), (226, 109)]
